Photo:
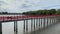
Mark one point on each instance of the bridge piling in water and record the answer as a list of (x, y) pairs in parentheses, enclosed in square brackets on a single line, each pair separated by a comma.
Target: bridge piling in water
[(37, 23), (31, 25), (44, 23), (41, 23), (0, 28), (47, 22), (15, 27), (24, 27)]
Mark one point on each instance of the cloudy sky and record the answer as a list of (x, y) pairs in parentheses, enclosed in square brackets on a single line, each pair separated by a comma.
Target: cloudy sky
[(27, 5)]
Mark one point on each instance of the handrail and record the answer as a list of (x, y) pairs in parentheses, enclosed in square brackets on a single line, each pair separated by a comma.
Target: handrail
[(7, 18)]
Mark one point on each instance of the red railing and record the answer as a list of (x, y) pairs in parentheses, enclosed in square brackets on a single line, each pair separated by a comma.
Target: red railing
[(7, 18)]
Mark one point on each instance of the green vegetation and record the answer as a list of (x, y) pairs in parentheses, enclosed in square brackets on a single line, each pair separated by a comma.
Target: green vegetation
[(43, 12), (3, 12)]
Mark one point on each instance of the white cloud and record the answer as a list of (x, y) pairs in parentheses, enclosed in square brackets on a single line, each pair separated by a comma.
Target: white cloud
[(25, 5)]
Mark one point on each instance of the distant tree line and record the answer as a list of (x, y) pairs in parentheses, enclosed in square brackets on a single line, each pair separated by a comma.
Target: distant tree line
[(42, 12), (3, 12)]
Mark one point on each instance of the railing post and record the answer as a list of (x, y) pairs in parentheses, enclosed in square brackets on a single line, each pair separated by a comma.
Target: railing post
[(0, 28), (15, 27)]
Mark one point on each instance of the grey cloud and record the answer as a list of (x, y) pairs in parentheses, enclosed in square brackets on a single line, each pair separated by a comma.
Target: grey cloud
[(2, 3), (53, 6)]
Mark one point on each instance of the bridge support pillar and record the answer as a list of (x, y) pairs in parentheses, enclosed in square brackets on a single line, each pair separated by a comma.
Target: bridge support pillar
[(25, 28), (15, 27), (44, 23), (31, 25), (47, 22), (41, 23), (34, 26), (0, 28)]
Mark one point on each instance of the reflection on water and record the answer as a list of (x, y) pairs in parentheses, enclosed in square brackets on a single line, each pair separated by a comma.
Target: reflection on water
[(8, 27)]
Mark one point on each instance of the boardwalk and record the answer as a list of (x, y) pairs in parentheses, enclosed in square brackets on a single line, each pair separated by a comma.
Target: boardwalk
[(40, 24)]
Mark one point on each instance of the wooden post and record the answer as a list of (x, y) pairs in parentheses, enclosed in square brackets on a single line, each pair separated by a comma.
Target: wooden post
[(0, 28), (15, 27), (50, 20), (39, 23), (44, 23), (24, 27), (54, 19), (31, 25), (47, 22), (34, 24)]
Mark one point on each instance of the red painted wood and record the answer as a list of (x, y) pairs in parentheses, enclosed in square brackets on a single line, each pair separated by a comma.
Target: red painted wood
[(7, 18)]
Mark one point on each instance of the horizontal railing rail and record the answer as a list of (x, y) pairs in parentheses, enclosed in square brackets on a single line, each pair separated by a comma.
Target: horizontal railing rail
[(23, 17)]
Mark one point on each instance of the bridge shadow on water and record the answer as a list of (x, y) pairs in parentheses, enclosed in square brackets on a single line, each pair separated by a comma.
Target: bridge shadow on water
[(53, 29)]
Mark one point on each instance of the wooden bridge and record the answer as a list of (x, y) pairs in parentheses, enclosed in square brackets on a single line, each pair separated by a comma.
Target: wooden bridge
[(38, 22)]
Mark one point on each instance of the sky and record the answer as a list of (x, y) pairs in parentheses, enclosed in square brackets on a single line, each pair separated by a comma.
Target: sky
[(19, 6)]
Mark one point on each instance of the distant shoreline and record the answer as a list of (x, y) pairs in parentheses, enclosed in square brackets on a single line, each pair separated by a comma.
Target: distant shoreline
[(12, 14)]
